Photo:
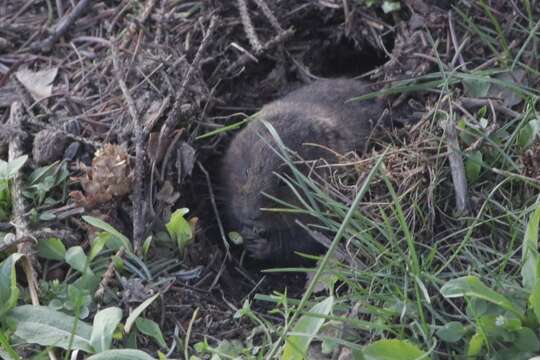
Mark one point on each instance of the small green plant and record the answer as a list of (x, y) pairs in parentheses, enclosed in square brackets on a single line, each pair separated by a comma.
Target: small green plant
[(490, 146), (61, 324), (5, 201), (179, 229), (8, 170), (43, 180), (506, 321), (64, 297), (47, 326)]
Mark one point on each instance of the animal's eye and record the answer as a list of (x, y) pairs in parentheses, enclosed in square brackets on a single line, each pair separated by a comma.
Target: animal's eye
[(284, 177), (281, 183)]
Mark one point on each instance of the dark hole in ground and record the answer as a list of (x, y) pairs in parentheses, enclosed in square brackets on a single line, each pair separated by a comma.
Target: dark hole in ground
[(343, 59), (319, 46), (331, 46)]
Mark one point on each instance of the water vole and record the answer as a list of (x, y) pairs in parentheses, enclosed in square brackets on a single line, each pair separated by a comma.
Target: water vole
[(318, 113)]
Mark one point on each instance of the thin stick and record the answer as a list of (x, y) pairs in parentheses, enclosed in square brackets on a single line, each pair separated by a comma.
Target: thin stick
[(455, 43), (215, 208), (138, 194), (276, 40), (23, 235), (497, 105), (248, 27), (269, 15), (457, 167), (61, 27), (172, 119), (147, 10), (188, 334), (107, 276)]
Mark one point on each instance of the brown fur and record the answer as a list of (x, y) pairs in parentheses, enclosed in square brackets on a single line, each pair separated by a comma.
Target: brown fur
[(318, 114)]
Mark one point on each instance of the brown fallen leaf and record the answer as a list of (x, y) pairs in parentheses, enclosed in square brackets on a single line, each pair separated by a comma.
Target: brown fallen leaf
[(39, 83)]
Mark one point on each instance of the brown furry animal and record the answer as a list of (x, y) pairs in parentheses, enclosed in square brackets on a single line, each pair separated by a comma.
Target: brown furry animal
[(314, 114)]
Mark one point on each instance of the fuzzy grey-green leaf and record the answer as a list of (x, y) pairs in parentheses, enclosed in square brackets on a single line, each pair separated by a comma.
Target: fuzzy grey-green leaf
[(451, 332), (473, 287), (9, 292), (308, 326), (125, 354), (45, 326), (100, 224), (52, 249), (105, 323), (8, 169), (392, 349), (151, 328), (76, 258)]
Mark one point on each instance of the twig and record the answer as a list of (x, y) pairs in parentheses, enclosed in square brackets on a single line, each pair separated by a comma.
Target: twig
[(59, 7), (61, 27), (457, 167), (244, 59), (7, 133), (23, 236), (172, 119), (138, 197), (248, 27), (122, 9), (21, 10), (147, 10), (24, 97), (455, 43), (107, 276), (160, 22), (10, 240), (188, 334), (67, 134), (269, 15), (215, 208), (474, 102)]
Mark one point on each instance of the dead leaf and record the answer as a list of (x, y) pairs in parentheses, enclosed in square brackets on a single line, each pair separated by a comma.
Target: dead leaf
[(502, 91), (38, 84), (154, 112), (186, 160), (155, 149), (167, 194)]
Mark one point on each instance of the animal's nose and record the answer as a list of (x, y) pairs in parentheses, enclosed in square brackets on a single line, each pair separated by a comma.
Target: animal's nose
[(248, 213), (250, 221)]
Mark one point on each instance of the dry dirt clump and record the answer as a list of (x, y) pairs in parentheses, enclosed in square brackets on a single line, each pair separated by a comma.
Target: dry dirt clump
[(48, 146)]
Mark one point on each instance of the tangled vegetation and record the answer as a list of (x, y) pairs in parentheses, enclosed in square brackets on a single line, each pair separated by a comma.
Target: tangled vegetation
[(113, 118)]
